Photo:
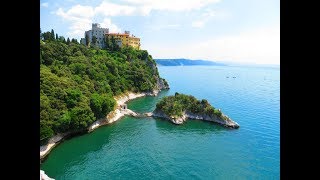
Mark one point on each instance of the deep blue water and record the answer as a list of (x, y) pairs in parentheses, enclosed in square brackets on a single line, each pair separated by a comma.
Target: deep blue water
[(157, 149)]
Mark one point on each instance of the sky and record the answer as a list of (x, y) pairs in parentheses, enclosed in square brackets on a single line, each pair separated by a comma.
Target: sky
[(236, 31)]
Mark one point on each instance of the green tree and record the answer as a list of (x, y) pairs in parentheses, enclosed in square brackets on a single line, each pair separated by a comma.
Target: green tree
[(101, 105), (113, 44), (62, 39), (68, 41), (107, 43), (74, 41), (87, 40), (46, 36), (52, 35), (176, 104), (73, 97), (77, 83), (94, 40), (45, 132), (41, 37), (64, 122), (57, 37), (217, 112), (81, 117)]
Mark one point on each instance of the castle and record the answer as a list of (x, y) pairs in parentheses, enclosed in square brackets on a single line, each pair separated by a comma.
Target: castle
[(122, 39)]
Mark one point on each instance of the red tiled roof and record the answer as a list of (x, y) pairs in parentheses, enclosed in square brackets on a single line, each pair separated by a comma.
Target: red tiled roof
[(117, 34)]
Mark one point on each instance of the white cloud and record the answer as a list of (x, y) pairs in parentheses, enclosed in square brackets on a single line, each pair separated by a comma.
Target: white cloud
[(173, 25), (198, 24), (111, 9), (169, 5), (78, 27), (164, 27), (76, 12), (81, 17), (258, 46), (112, 27), (205, 17), (144, 7), (46, 4)]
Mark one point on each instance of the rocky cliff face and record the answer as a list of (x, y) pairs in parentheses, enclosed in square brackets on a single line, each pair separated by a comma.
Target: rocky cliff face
[(223, 120), (162, 84)]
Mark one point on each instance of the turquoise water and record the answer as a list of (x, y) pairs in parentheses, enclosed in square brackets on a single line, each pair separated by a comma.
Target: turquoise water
[(148, 148)]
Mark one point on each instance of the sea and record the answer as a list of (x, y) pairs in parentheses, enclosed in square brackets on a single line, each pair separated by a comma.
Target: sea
[(153, 148)]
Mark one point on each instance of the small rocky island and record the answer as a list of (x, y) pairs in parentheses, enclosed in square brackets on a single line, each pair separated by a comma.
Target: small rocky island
[(180, 107)]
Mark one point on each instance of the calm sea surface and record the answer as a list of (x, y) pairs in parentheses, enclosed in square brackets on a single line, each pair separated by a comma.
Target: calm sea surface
[(149, 148)]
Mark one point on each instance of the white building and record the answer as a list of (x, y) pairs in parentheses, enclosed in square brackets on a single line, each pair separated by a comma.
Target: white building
[(96, 31)]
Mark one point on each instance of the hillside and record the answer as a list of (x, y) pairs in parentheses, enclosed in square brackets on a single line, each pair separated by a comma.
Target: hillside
[(77, 83), (186, 62)]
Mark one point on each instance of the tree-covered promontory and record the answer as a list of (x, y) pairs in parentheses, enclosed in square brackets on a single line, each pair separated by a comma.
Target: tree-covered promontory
[(180, 107), (77, 83), (179, 103)]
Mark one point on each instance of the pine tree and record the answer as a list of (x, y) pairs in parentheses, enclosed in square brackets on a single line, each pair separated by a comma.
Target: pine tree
[(57, 37), (107, 43), (74, 41), (113, 44), (46, 36), (40, 34), (52, 34), (87, 40), (68, 41)]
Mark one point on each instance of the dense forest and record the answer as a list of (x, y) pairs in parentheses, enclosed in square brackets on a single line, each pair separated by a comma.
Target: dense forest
[(179, 103), (78, 82)]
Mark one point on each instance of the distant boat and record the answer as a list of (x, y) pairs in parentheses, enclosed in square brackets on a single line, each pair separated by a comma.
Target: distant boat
[(227, 77), (233, 77)]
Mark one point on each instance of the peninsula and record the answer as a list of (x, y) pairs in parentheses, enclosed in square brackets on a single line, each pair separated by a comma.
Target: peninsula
[(180, 107), (85, 85), (186, 62)]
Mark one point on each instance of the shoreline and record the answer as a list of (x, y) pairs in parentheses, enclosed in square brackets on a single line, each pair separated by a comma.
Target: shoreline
[(229, 123), (113, 116)]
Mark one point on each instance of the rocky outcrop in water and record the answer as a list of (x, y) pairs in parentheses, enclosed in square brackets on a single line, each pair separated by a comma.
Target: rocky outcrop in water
[(180, 107), (222, 120)]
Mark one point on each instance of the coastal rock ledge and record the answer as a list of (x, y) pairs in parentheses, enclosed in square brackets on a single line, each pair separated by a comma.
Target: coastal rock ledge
[(223, 120)]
